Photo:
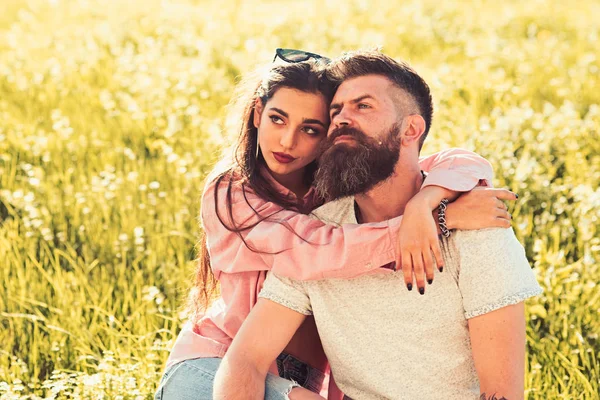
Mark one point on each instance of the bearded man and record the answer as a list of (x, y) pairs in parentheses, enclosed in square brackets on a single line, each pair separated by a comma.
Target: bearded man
[(464, 340)]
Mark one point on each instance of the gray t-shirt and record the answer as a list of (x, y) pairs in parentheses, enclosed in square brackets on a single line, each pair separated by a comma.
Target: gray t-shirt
[(384, 342)]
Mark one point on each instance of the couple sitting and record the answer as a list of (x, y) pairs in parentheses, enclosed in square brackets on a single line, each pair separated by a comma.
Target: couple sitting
[(339, 291)]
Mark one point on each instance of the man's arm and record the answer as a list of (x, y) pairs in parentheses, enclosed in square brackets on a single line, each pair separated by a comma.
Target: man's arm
[(262, 337), (498, 344), (494, 279)]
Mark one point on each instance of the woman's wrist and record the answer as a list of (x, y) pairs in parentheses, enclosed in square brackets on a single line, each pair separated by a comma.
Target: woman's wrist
[(432, 195), (435, 215), (442, 218), (451, 216), (429, 197)]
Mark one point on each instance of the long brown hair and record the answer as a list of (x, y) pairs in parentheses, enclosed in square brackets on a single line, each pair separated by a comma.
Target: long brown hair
[(242, 165)]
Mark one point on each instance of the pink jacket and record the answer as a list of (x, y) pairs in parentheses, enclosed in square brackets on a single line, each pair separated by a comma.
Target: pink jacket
[(327, 251)]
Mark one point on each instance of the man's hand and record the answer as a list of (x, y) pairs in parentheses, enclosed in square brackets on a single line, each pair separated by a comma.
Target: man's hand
[(480, 208)]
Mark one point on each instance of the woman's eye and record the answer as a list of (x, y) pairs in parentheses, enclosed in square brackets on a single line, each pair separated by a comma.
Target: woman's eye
[(276, 120), (310, 131)]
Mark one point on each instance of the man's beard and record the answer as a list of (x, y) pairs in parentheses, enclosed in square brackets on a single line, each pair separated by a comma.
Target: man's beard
[(350, 169)]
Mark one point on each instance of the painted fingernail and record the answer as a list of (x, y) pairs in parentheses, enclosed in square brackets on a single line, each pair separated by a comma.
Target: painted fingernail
[(422, 290), (430, 281), (442, 268), (409, 286), (516, 195)]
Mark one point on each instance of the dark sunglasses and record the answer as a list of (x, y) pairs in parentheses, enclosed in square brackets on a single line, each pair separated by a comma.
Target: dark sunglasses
[(296, 56)]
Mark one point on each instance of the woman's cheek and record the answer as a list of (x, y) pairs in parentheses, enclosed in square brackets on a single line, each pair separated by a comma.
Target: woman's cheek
[(313, 149)]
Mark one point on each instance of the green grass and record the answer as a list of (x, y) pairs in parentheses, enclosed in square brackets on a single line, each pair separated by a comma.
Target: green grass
[(113, 112)]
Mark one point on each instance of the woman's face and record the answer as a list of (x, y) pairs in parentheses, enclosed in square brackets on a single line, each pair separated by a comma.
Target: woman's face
[(290, 127)]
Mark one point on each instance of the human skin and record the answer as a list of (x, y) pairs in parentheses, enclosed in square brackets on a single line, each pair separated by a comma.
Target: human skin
[(294, 123)]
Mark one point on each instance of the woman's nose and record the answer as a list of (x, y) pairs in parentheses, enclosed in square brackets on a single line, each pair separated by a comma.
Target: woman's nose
[(288, 139)]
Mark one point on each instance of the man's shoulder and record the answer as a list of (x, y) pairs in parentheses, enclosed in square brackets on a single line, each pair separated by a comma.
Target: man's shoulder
[(485, 236), (337, 212), (494, 271), (494, 243)]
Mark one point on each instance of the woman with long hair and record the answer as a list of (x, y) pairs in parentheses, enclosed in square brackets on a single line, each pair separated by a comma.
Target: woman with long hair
[(255, 218)]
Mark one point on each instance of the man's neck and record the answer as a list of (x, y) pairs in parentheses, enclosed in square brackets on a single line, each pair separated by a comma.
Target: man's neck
[(388, 199)]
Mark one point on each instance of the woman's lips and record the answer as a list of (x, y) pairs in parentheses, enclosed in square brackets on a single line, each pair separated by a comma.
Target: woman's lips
[(283, 158)]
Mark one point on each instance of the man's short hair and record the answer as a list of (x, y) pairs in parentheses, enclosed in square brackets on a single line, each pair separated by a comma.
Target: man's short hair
[(367, 62)]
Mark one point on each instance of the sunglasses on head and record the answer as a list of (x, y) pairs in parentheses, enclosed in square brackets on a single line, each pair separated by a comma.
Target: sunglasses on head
[(296, 56)]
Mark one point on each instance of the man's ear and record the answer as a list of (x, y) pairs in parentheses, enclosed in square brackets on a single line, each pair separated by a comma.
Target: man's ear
[(258, 109), (412, 130)]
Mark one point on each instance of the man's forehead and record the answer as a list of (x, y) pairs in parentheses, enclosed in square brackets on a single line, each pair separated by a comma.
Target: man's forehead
[(373, 85)]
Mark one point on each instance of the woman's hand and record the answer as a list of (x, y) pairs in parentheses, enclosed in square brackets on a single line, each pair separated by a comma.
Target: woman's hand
[(419, 244), (480, 208)]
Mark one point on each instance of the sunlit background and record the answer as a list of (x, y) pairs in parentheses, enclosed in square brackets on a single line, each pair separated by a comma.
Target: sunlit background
[(112, 112)]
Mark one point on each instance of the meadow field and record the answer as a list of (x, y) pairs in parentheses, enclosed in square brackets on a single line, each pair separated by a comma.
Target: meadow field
[(112, 112)]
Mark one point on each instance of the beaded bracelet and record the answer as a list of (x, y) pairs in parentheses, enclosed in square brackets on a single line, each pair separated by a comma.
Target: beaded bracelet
[(442, 218)]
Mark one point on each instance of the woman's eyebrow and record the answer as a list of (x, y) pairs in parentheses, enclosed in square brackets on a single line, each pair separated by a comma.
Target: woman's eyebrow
[(280, 111), (304, 120), (313, 121)]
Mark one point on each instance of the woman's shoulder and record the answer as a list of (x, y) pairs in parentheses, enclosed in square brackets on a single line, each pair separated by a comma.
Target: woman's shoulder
[(226, 182)]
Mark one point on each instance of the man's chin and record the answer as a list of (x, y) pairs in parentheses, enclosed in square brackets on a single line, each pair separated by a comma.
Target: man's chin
[(337, 192), (350, 192)]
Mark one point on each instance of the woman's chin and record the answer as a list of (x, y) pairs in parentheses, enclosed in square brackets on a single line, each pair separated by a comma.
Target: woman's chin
[(282, 170)]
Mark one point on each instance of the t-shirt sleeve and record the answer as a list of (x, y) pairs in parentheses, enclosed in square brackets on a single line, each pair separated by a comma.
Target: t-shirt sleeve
[(287, 292), (493, 271)]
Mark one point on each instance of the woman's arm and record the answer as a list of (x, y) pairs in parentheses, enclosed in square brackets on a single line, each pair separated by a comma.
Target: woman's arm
[(451, 173), (418, 238), (289, 243), (498, 343), (300, 247), (456, 169)]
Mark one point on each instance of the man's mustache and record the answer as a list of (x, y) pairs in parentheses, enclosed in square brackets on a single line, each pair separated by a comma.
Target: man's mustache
[(346, 131)]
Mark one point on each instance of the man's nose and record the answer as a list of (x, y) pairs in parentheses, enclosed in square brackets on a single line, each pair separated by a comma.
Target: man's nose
[(342, 119)]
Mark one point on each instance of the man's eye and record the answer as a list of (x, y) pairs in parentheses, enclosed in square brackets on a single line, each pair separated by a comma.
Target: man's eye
[(362, 105), (276, 120)]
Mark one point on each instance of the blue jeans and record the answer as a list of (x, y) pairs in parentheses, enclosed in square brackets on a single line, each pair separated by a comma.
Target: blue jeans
[(193, 379)]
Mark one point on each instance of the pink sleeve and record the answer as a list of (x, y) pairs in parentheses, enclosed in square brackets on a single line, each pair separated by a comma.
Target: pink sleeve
[(301, 248), (305, 248), (456, 169)]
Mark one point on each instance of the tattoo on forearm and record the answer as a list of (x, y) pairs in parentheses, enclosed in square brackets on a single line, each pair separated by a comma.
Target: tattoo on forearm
[(492, 397)]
